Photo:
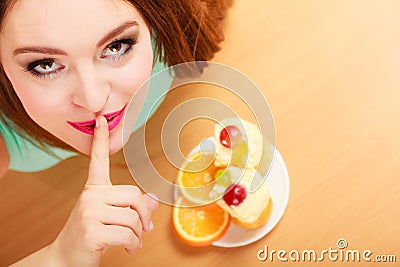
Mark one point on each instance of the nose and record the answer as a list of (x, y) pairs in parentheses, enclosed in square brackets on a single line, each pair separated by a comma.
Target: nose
[(91, 89)]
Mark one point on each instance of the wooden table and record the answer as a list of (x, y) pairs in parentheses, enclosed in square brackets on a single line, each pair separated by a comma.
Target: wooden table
[(329, 70)]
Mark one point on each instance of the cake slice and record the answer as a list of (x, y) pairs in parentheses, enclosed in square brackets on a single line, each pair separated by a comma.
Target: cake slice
[(240, 149), (248, 210)]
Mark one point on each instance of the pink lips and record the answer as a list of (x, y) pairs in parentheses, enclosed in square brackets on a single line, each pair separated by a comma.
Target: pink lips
[(87, 127)]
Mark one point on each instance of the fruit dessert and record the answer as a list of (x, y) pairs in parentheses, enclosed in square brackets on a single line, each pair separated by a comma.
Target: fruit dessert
[(217, 185), (248, 210), (237, 141), (240, 143), (240, 148)]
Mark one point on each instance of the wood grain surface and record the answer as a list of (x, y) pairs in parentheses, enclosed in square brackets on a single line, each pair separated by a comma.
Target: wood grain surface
[(330, 72)]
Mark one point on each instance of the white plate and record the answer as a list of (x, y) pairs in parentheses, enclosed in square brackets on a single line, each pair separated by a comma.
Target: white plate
[(279, 185)]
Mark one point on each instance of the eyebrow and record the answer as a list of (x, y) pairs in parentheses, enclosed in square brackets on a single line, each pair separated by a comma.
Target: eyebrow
[(56, 51), (117, 31)]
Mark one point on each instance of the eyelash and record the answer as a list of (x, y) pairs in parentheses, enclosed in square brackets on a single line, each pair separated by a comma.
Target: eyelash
[(127, 41), (124, 41)]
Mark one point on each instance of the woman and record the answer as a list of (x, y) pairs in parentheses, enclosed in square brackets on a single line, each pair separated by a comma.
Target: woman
[(69, 69)]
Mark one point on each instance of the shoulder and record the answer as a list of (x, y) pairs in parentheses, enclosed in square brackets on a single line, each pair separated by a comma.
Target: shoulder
[(5, 158)]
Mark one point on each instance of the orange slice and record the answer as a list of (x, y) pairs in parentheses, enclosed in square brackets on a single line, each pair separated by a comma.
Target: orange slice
[(195, 177), (199, 226)]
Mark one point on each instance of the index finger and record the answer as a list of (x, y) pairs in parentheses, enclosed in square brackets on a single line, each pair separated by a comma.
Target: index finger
[(99, 166)]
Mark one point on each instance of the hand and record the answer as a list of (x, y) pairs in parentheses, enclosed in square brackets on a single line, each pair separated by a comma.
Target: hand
[(105, 215)]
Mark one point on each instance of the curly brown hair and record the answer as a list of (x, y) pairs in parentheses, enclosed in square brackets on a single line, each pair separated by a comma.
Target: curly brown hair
[(183, 31)]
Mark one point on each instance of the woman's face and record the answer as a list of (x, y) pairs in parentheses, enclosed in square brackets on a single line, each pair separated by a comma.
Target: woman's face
[(70, 61)]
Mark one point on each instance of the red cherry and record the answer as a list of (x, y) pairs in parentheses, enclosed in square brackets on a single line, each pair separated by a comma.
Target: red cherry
[(235, 194), (229, 133)]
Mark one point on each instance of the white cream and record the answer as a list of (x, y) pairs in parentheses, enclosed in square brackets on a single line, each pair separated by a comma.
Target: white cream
[(254, 204), (251, 134)]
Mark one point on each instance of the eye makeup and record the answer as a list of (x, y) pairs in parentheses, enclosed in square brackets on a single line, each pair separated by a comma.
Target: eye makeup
[(44, 68), (116, 51)]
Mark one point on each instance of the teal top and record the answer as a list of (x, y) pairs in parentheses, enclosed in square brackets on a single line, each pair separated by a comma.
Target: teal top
[(26, 157)]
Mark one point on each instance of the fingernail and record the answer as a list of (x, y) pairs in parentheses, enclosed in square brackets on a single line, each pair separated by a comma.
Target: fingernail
[(97, 123), (151, 226)]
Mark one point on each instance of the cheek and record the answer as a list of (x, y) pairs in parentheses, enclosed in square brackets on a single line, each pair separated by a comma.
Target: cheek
[(39, 106), (136, 72), (132, 80)]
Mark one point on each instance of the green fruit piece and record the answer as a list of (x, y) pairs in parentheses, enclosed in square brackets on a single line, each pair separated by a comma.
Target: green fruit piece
[(223, 178), (240, 154)]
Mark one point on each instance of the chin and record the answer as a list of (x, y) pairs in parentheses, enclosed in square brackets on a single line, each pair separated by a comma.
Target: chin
[(82, 148), (115, 148), (86, 150)]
